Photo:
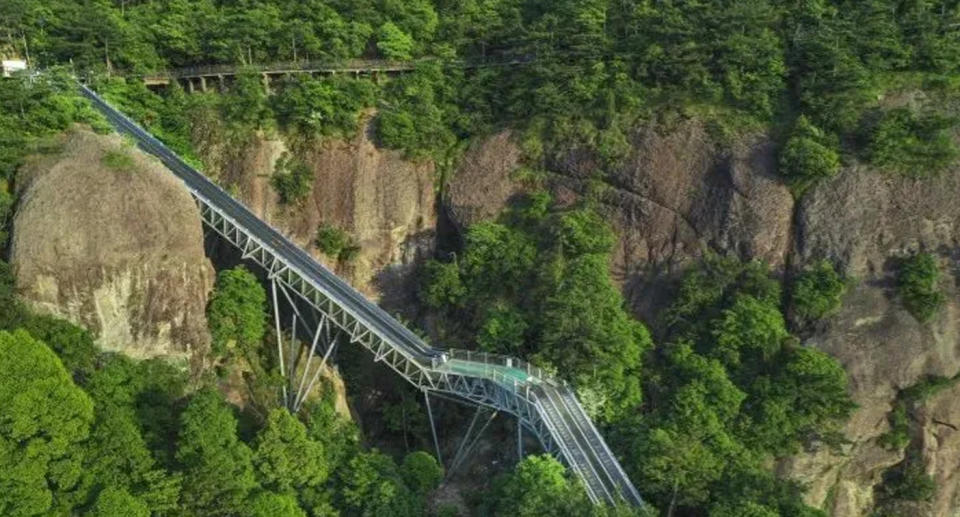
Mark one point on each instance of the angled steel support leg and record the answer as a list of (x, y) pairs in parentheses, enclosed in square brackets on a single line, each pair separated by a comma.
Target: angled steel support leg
[(433, 427), (316, 375), (276, 318), (306, 369), (292, 355), (466, 438), (476, 438)]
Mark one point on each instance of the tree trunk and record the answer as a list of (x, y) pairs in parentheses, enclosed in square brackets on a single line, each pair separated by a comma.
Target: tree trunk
[(673, 499), (26, 47)]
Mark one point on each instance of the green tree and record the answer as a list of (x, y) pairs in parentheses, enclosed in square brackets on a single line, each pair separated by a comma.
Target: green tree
[(286, 459), (909, 481), (393, 43), (586, 333), (539, 487), (817, 291), (372, 486), (421, 472), (235, 313), (442, 286), (809, 154), (269, 504), (74, 345), (503, 330), (117, 502), (292, 179), (750, 328), (913, 144), (917, 284), (323, 107), (335, 242), (116, 454), (218, 468), (44, 421)]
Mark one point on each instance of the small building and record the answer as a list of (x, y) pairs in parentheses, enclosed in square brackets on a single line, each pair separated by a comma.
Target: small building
[(13, 65)]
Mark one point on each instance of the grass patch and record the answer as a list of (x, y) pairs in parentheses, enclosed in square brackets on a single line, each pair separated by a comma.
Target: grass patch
[(118, 161)]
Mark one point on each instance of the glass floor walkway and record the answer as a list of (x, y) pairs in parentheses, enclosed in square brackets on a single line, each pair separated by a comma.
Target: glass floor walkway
[(498, 372)]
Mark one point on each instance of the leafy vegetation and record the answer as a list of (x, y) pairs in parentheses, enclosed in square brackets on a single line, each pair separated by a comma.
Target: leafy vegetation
[(336, 243), (731, 388), (536, 285), (120, 437), (697, 418), (917, 284), (118, 161), (292, 179), (235, 314), (912, 144), (809, 154), (817, 291)]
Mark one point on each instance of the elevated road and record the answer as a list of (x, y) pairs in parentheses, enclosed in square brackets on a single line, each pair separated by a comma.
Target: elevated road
[(543, 405)]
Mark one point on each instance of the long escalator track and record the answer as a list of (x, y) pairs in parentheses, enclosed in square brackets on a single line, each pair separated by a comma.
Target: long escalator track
[(541, 404)]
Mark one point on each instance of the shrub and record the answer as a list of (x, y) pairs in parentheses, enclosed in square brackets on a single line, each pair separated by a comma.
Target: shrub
[(912, 144), (118, 161), (899, 434), (336, 243), (809, 154), (917, 284), (442, 285), (909, 481), (329, 106), (817, 291), (393, 43), (292, 179)]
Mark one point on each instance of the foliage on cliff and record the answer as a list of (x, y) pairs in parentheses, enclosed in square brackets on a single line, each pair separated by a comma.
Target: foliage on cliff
[(578, 72), (537, 285)]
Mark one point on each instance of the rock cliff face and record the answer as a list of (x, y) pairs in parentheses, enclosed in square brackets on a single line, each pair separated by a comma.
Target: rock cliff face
[(680, 193), (863, 220), (383, 201), (677, 195), (107, 238)]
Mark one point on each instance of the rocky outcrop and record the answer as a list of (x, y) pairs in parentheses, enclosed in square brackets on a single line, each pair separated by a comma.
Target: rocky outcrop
[(677, 194), (385, 202), (106, 237), (482, 185), (863, 220)]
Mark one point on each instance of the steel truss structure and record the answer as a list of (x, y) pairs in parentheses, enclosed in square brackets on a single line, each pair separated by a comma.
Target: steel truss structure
[(542, 405)]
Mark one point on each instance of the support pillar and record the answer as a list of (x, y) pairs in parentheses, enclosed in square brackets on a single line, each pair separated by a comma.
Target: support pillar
[(433, 427), (519, 441), (276, 318)]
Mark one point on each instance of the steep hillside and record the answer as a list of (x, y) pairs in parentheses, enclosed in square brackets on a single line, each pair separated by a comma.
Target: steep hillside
[(383, 202), (681, 194)]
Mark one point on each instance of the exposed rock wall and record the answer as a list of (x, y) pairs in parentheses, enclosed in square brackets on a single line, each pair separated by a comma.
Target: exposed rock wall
[(385, 202), (117, 249), (676, 195), (864, 220), (680, 193)]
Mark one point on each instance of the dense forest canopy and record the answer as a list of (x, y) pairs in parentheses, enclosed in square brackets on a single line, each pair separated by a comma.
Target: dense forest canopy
[(696, 408)]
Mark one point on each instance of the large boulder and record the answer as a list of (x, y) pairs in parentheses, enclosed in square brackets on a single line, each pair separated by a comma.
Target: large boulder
[(106, 237), (863, 221)]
